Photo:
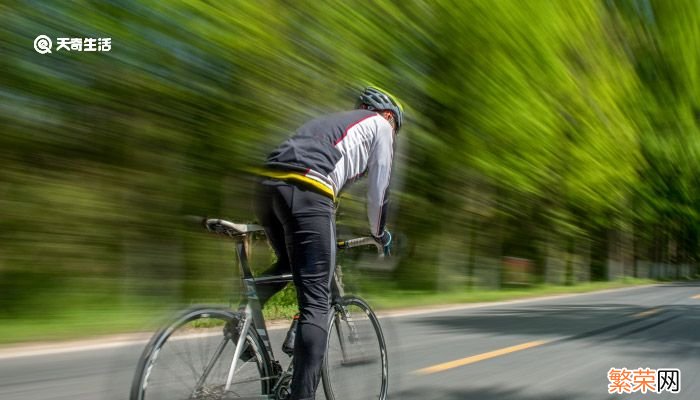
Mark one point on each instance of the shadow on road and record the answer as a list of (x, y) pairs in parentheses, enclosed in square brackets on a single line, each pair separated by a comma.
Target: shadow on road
[(608, 322), (566, 321)]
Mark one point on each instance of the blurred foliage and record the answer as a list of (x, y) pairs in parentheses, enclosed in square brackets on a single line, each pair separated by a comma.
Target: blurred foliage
[(537, 129)]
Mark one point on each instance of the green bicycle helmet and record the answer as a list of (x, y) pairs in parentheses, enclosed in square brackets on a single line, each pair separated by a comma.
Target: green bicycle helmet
[(375, 99)]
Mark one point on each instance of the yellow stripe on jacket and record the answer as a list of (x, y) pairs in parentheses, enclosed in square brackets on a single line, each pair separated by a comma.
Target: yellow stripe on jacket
[(297, 177)]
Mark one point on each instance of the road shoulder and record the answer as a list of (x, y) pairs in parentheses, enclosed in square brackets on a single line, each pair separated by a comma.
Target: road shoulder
[(140, 338)]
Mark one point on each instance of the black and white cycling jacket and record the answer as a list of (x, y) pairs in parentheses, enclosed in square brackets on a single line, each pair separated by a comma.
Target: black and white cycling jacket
[(329, 152)]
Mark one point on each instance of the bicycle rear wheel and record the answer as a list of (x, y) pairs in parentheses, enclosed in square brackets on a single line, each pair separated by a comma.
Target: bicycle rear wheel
[(356, 364), (191, 359)]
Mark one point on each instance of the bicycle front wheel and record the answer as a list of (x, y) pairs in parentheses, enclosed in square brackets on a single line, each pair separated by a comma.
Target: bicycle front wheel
[(356, 364), (191, 359)]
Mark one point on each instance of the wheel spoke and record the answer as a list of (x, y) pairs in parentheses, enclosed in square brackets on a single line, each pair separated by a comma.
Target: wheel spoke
[(192, 362), (356, 365)]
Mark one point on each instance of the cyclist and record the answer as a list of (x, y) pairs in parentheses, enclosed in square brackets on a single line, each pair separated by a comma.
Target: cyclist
[(295, 204)]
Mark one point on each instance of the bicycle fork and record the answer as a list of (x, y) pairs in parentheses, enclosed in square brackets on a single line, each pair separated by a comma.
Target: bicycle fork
[(344, 321)]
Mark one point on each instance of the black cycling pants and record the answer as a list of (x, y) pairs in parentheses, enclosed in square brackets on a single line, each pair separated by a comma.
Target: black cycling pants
[(300, 225)]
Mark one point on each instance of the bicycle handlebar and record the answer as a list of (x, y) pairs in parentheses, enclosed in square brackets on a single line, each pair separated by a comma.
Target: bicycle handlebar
[(361, 241)]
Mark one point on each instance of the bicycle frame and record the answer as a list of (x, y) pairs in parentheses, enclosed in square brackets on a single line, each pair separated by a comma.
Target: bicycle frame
[(250, 307)]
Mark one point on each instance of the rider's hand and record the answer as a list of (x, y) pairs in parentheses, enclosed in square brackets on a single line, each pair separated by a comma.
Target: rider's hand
[(385, 241)]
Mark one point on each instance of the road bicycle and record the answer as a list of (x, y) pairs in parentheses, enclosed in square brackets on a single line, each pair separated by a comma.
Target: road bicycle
[(212, 352)]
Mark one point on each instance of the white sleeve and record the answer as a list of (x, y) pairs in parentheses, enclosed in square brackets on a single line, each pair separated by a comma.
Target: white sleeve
[(379, 174)]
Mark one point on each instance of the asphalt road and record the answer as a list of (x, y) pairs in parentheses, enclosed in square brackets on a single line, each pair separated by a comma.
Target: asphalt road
[(549, 349)]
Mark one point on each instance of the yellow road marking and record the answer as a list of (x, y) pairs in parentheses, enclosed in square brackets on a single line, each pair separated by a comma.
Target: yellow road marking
[(647, 313), (479, 357), (697, 296)]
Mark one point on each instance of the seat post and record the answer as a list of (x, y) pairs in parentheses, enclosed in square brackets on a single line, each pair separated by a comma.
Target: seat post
[(242, 247)]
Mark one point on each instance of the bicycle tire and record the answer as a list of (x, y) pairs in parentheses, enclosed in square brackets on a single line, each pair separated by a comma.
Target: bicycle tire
[(177, 356), (355, 355)]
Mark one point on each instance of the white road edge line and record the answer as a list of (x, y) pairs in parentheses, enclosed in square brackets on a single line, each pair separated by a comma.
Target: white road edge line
[(457, 307), (33, 350)]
